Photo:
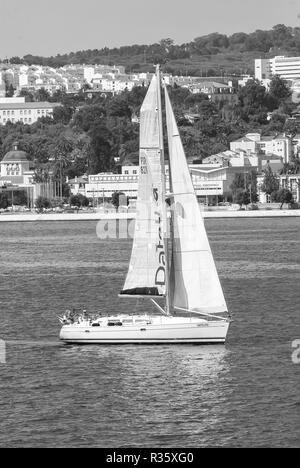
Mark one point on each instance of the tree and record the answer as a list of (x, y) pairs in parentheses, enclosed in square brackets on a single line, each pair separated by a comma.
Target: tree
[(241, 197), (244, 188), (253, 101), (3, 200), (62, 114), (42, 95), (270, 183), (100, 149), (117, 198), (279, 89), (79, 200), (87, 116), (283, 196), (27, 94), (292, 167), (42, 203), (10, 90), (166, 43), (20, 198)]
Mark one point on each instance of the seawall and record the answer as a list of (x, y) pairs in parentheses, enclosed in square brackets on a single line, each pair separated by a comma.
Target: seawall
[(97, 216)]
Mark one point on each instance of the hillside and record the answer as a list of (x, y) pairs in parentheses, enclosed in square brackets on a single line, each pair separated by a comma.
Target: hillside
[(211, 55)]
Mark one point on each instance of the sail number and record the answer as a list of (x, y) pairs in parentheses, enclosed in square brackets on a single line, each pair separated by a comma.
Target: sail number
[(143, 165)]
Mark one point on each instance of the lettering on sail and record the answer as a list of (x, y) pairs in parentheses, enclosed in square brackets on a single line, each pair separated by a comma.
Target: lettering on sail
[(160, 275)]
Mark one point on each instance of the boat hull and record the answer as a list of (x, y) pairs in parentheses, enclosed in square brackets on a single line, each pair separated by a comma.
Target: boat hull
[(171, 333)]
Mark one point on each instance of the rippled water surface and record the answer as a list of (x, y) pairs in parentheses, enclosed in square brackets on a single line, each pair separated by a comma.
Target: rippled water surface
[(243, 394)]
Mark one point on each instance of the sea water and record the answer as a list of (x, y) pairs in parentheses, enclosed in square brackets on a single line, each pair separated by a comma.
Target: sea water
[(243, 394)]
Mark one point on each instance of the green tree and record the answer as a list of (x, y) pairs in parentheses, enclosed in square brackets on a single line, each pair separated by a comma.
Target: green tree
[(292, 167), (79, 200), (279, 89), (270, 182), (10, 90), (42, 95), (100, 149), (42, 203), (62, 114), (283, 196), (244, 187), (117, 198), (3, 200), (29, 97), (241, 197), (20, 198)]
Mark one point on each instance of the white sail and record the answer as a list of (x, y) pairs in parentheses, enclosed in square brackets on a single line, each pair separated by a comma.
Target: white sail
[(147, 269), (195, 285)]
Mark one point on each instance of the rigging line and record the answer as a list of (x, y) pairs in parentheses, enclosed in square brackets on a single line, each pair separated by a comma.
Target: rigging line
[(202, 313), (173, 194), (159, 307)]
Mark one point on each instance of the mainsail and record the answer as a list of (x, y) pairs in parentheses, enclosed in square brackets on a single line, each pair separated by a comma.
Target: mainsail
[(147, 273), (194, 280)]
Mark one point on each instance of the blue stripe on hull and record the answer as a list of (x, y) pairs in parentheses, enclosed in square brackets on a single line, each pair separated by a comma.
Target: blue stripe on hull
[(154, 341)]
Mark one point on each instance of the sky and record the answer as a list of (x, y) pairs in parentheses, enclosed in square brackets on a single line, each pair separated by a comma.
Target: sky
[(61, 26)]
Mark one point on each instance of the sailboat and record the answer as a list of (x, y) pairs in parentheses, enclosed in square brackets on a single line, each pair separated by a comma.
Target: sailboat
[(171, 261)]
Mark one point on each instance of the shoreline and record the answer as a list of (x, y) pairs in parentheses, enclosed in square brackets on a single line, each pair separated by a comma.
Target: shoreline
[(48, 217)]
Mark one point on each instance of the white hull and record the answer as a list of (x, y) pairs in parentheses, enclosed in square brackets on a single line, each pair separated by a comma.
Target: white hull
[(155, 330)]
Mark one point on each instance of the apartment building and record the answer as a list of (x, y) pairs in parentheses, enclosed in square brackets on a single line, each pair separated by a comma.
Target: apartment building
[(17, 110), (287, 68), (279, 145), (112, 85)]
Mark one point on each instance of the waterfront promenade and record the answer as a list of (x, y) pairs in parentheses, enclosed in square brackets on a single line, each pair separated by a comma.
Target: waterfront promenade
[(91, 216)]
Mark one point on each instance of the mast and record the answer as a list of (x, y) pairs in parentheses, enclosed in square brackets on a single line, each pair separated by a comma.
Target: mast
[(164, 210)]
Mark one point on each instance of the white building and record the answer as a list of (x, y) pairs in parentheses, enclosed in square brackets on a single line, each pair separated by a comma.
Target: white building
[(287, 68), (292, 183), (105, 184), (209, 180), (16, 174), (280, 145), (17, 110), (111, 84)]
